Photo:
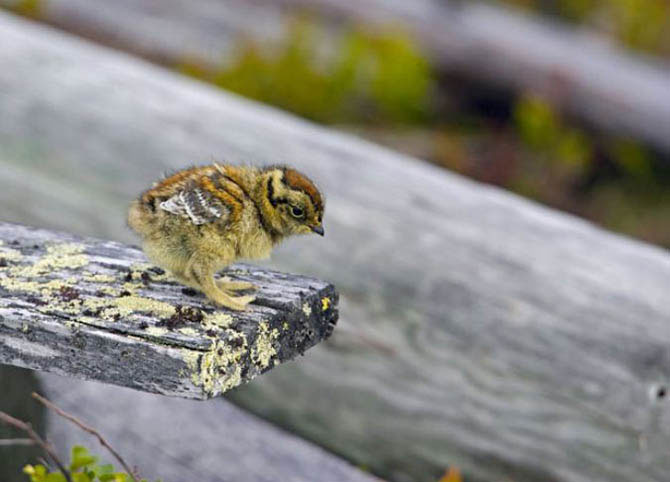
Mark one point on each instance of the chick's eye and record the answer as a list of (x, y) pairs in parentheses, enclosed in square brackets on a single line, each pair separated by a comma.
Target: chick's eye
[(297, 212)]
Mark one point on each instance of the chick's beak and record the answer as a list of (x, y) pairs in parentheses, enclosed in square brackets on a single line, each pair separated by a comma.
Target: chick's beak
[(318, 230)]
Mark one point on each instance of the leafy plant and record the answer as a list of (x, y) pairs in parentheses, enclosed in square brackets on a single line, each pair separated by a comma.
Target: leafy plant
[(28, 8), (380, 77), (568, 148), (83, 467)]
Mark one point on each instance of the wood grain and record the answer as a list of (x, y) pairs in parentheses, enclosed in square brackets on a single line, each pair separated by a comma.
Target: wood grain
[(97, 310), (477, 329), (174, 439)]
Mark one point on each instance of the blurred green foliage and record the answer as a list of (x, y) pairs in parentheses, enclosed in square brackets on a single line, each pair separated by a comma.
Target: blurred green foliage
[(27, 8), (83, 468), (553, 141), (368, 77), (572, 149)]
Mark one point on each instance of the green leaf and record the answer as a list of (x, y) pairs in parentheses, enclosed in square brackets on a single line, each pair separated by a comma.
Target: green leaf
[(81, 477), (117, 477), (81, 457), (37, 473), (103, 470), (55, 477)]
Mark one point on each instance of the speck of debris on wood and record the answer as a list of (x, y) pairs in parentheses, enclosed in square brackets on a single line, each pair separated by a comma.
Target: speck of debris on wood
[(129, 276), (36, 246), (36, 301), (181, 316), (146, 279), (144, 325), (100, 294), (124, 293), (189, 291), (3, 263), (68, 293)]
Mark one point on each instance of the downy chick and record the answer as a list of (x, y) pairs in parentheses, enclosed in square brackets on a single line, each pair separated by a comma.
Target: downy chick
[(199, 220)]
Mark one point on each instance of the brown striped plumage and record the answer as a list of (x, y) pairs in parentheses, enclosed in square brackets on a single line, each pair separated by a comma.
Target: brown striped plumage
[(198, 220)]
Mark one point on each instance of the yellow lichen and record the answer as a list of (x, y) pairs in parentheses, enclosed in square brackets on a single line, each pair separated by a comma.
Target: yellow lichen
[(217, 321), (306, 309), (113, 308), (57, 257), (100, 278), (140, 267), (325, 303), (137, 269), (188, 331), (218, 369), (131, 287), (263, 349), (156, 331), (110, 291), (10, 254), (130, 304), (12, 284), (72, 307)]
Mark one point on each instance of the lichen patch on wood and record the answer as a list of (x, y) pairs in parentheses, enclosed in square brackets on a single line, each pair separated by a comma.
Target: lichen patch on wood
[(264, 349), (101, 312)]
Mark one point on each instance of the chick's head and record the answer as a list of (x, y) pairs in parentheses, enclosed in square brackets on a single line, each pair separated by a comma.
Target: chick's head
[(296, 205)]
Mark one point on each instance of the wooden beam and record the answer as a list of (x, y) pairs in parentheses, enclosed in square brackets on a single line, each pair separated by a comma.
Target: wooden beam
[(477, 329), (604, 85), (97, 310), (173, 439)]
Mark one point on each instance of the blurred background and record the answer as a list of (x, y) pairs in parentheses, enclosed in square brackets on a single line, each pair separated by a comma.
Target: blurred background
[(564, 102), (375, 71)]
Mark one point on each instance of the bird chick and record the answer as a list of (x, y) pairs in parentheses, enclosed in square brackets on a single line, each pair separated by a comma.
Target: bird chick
[(199, 220)]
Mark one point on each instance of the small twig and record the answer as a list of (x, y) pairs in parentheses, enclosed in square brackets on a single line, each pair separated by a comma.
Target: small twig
[(7, 442), (88, 429), (28, 429)]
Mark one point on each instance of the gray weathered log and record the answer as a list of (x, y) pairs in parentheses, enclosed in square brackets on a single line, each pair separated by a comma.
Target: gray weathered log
[(477, 328), (97, 310), (180, 440), (608, 87)]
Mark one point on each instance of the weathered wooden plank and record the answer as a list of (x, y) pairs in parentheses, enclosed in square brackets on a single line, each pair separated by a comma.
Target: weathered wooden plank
[(478, 329), (590, 78), (96, 310), (180, 440)]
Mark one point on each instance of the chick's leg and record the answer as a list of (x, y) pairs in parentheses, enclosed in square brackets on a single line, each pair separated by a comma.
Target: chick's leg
[(226, 284), (200, 270)]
